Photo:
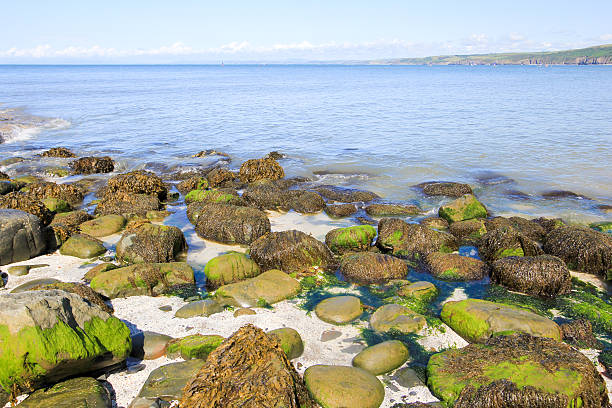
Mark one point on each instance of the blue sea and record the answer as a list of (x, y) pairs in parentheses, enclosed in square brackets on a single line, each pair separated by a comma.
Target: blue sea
[(513, 132)]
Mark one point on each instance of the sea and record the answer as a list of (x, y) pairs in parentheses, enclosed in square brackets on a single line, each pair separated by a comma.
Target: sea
[(512, 132)]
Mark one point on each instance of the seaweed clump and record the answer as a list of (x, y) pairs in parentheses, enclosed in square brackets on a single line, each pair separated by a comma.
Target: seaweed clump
[(92, 165), (137, 182), (23, 202), (544, 275)]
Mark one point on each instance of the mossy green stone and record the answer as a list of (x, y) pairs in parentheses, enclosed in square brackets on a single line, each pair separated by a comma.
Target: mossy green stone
[(357, 238), (397, 317), (290, 341), (82, 247), (603, 226), (342, 387), (57, 205), (211, 196), (463, 208), (83, 392), (103, 226), (229, 268), (422, 290), (383, 357), (196, 346)]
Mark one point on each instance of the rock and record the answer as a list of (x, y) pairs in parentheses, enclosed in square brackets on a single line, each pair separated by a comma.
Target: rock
[(369, 267), (408, 378), (382, 357), (248, 370), (477, 320), (137, 182), (151, 243), (220, 177), (71, 219), (396, 317), (197, 346), (464, 208), (211, 152), (579, 333), (85, 292), (436, 223), (213, 196), (244, 311), (33, 283), (582, 249), (18, 270), (506, 241), (4, 176), (345, 195), (8, 187), (516, 371), (340, 210), (143, 279), (267, 195), (454, 267), (141, 402), (229, 268), (77, 338), (204, 307), (23, 202), (275, 155), (57, 171), (259, 169), (291, 251), (543, 275), (56, 205), (290, 341), (448, 189), (21, 236), (58, 152), (468, 232), (528, 228), (270, 287), (228, 223), (339, 387), (148, 345), (306, 202), (193, 183), (422, 290), (76, 392), (350, 239), (99, 269), (92, 165), (412, 240), (103, 226), (167, 382), (69, 193), (83, 247), (127, 204), (384, 210), (559, 194), (339, 309)]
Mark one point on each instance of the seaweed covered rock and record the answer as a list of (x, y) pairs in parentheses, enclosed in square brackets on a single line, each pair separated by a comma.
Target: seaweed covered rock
[(259, 169), (369, 267), (23, 202), (143, 279), (48, 335), (468, 232), (455, 267), (228, 223), (464, 208), (93, 165), (267, 288), (448, 189), (516, 371), (151, 243), (477, 320), (306, 202), (248, 370), (219, 177), (229, 268), (137, 182), (103, 226), (340, 386), (506, 241), (582, 249), (397, 317), (391, 210), (76, 392), (80, 289), (193, 183), (126, 204), (340, 210), (543, 275), (213, 196), (350, 239), (82, 246), (437, 223), (529, 228), (71, 220), (412, 240), (58, 152), (195, 346), (579, 333), (345, 195), (21, 236), (267, 195), (70, 193), (291, 251)]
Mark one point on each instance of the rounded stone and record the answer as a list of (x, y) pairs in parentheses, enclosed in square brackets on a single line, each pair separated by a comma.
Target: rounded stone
[(82, 247), (244, 311), (340, 387), (383, 357), (290, 341), (421, 290), (339, 309), (149, 345), (397, 317), (103, 226)]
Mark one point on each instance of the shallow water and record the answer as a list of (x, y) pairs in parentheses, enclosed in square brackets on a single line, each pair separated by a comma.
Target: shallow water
[(521, 129)]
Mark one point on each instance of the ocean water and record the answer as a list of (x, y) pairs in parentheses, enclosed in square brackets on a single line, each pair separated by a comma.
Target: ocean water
[(512, 132)]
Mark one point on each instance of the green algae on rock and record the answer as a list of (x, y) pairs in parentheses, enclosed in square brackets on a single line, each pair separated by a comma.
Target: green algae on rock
[(103, 226), (397, 317), (412, 240), (356, 238), (82, 246), (74, 393), (464, 208), (506, 241), (197, 346), (229, 268), (455, 267), (212, 196), (289, 340), (339, 309)]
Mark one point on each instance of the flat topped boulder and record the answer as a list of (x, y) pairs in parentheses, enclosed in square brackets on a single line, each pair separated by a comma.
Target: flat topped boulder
[(270, 287), (340, 387), (82, 246), (516, 371), (345, 195), (466, 207), (397, 317), (103, 226), (477, 320), (443, 188), (543, 275), (21, 236), (76, 392), (151, 243), (369, 267), (356, 238), (339, 309), (59, 335)]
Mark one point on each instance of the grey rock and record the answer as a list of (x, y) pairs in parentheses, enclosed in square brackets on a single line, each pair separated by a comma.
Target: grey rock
[(21, 236)]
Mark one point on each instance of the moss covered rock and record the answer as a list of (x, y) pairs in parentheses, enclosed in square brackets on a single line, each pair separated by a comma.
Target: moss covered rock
[(213, 196), (143, 279), (477, 320), (519, 371), (21, 236), (197, 346), (48, 335), (421, 290), (382, 357), (151, 243), (92, 165), (56, 205), (103, 226), (391, 210), (412, 240), (468, 232), (192, 183), (79, 392), (349, 239), (397, 317), (339, 387), (506, 241), (259, 169), (270, 287), (466, 207), (289, 340), (229, 268), (369, 267), (82, 246), (454, 267), (436, 223), (543, 275), (339, 309), (98, 269)]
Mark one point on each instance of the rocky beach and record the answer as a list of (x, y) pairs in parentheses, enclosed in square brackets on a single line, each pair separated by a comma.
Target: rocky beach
[(231, 284)]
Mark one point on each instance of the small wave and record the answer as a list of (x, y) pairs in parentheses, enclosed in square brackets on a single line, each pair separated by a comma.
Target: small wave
[(15, 125)]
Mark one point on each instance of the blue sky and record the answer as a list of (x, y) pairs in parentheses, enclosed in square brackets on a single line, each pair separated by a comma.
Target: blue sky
[(35, 31)]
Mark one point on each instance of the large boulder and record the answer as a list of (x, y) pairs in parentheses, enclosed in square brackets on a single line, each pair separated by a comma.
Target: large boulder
[(88, 294), (369, 267), (582, 249), (340, 387), (92, 165), (71, 220), (455, 267), (466, 207), (259, 169), (23, 202), (137, 182), (448, 189), (267, 195), (506, 241), (143, 279), (350, 239), (412, 240), (543, 275), (220, 177), (229, 268), (477, 320), (516, 371), (127, 204), (70, 193), (305, 202), (248, 370), (151, 243), (340, 210), (21, 236), (74, 393), (468, 232), (227, 223), (48, 335), (197, 346), (529, 228), (270, 287), (345, 195), (291, 251)]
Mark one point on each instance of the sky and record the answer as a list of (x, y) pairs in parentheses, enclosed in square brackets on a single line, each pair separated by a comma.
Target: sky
[(191, 31)]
